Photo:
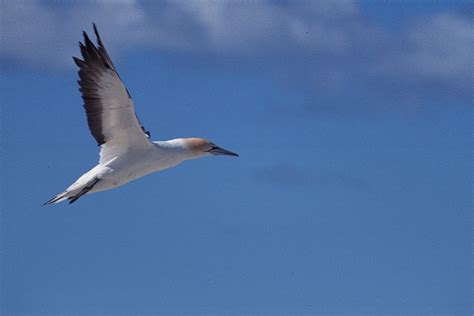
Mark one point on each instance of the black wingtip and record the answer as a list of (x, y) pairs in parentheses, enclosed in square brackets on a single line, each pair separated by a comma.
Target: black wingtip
[(97, 34), (77, 61), (87, 40)]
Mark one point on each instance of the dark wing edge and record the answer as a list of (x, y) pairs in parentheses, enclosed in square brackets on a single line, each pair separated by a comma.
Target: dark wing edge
[(104, 53), (95, 61)]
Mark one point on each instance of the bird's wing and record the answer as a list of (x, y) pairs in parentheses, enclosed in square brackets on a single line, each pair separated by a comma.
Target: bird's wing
[(109, 107)]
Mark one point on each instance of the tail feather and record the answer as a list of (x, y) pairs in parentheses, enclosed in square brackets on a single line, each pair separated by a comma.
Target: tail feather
[(57, 199), (72, 196)]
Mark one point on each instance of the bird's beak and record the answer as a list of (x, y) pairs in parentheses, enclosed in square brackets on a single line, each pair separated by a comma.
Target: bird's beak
[(220, 151)]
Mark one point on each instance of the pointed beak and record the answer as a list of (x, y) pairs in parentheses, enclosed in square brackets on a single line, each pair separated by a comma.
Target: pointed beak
[(216, 151)]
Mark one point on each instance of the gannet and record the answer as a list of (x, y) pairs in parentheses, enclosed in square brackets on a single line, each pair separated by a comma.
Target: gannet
[(126, 151)]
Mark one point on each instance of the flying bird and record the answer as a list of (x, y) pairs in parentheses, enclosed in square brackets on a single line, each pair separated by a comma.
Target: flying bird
[(126, 150)]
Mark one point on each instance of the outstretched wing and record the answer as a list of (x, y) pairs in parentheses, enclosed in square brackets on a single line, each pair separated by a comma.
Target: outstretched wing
[(109, 107)]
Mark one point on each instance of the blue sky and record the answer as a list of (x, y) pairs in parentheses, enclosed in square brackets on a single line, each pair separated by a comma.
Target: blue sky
[(351, 195)]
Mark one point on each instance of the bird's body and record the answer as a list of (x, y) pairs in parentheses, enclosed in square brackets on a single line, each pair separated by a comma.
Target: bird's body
[(126, 151)]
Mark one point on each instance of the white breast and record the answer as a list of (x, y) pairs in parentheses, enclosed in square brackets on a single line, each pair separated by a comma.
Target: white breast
[(134, 165)]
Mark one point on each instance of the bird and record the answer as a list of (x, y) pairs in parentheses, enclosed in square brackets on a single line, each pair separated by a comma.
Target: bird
[(126, 149)]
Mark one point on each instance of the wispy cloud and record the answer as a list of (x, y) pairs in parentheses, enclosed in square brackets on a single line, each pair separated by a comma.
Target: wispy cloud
[(35, 34), (434, 53), (34, 31), (302, 178), (329, 47)]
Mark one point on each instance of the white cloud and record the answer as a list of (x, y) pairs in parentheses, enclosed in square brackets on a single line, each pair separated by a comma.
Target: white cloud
[(243, 26), (442, 47), (36, 34), (334, 38)]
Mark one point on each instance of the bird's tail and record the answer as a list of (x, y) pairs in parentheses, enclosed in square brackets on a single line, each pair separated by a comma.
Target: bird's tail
[(57, 199), (74, 194)]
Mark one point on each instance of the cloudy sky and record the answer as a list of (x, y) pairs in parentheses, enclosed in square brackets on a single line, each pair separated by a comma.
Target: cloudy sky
[(352, 194)]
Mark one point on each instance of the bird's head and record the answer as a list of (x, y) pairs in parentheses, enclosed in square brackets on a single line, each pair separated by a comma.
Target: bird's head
[(200, 147)]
